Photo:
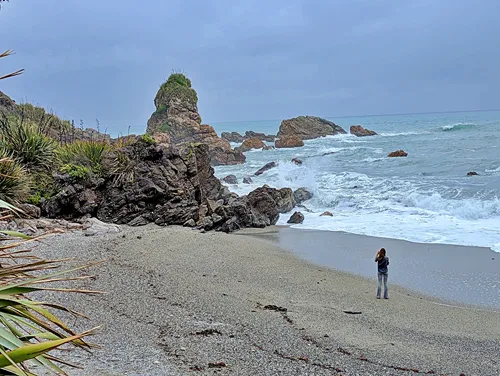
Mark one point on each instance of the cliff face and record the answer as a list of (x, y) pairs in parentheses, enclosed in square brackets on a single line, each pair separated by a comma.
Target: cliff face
[(177, 115)]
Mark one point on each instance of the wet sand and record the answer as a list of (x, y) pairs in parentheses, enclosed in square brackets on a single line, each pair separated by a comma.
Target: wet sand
[(469, 275), (181, 302)]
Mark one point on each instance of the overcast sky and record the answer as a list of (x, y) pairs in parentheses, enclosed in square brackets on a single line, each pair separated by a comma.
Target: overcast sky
[(252, 60)]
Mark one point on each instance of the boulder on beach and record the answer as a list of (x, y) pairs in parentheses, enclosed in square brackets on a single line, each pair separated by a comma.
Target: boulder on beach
[(296, 218), (472, 173), (308, 127), (177, 115), (326, 214), (251, 143), (398, 153), (288, 142), (302, 194), (297, 161), (260, 136), (232, 137), (247, 180), (230, 179), (265, 168), (359, 131)]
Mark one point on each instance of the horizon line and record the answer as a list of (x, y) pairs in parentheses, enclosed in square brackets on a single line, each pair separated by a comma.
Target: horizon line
[(366, 115)]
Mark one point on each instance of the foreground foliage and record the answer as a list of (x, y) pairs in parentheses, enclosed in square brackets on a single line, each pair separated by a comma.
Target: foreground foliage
[(30, 329)]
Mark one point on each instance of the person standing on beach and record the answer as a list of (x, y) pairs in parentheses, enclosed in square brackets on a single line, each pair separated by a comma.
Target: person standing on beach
[(383, 270)]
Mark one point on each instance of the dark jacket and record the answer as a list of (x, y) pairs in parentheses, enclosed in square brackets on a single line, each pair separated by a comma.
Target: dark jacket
[(383, 265)]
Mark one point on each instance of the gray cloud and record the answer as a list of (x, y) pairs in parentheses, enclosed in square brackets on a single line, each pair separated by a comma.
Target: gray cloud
[(253, 59)]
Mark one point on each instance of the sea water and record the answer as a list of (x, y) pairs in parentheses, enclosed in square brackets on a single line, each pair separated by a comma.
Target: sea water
[(426, 197)]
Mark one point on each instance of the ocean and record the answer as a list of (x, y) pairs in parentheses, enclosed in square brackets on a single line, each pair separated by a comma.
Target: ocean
[(426, 197)]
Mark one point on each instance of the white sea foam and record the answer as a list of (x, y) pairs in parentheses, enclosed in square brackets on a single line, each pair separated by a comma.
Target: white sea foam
[(458, 126), (425, 199)]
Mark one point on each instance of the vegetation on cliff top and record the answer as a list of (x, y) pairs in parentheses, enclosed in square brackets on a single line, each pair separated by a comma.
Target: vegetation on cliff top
[(177, 85)]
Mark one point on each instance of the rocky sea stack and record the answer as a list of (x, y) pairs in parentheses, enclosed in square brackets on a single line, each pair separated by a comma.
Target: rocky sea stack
[(177, 115), (308, 127), (359, 131)]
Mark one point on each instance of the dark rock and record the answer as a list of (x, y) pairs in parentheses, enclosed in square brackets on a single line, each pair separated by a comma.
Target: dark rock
[(251, 143), (174, 186), (288, 142), (472, 173), (247, 180), (260, 136), (267, 167), (326, 214), (7, 105), (190, 223), (308, 127), (232, 137), (230, 179), (398, 153), (29, 211), (296, 218), (359, 131), (268, 147), (297, 161), (301, 195)]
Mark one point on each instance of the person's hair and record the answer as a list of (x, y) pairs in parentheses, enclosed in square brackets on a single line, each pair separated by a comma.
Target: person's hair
[(381, 254)]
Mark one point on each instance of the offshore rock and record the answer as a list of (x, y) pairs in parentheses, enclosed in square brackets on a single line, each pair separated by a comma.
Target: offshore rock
[(265, 168), (398, 153), (288, 142), (251, 143), (359, 131), (308, 127)]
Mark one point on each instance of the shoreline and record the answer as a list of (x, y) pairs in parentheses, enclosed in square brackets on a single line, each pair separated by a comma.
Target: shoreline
[(455, 274), (178, 301)]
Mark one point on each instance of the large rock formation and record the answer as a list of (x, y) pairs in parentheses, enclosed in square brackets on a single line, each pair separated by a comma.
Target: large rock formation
[(308, 127), (359, 131), (177, 115), (288, 142), (176, 185)]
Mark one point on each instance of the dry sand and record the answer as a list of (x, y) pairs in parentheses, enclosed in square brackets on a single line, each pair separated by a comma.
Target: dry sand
[(179, 302)]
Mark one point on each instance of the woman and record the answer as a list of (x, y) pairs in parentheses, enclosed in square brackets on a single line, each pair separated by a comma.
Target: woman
[(383, 263)]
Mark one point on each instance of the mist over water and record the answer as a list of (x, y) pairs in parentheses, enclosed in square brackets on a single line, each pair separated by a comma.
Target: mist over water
[(425, 197)]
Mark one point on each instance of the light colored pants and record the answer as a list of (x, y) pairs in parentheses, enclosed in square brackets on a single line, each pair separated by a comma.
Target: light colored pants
[(379, 289)]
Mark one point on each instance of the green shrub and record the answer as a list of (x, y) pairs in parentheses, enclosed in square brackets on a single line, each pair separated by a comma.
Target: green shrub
[(177, 85), (147, 138), (24, 141), (165, 127), (76, 172), (88, 154), (161, 109), (14, 182)]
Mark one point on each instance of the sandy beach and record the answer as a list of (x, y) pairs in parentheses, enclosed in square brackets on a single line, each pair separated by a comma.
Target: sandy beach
[(181, 302)]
